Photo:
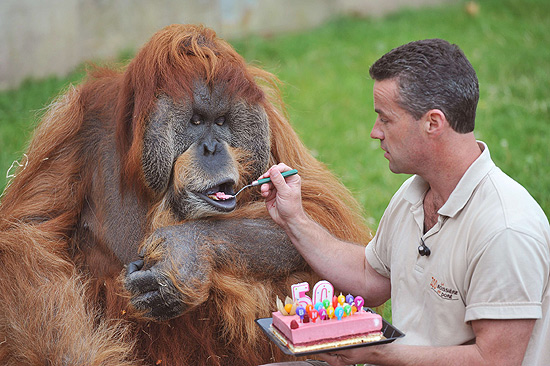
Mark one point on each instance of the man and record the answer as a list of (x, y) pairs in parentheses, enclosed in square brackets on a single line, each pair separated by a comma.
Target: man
[(462, 249)]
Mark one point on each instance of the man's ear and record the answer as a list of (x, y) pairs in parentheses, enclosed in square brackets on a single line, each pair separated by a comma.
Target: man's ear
[(435, 122)]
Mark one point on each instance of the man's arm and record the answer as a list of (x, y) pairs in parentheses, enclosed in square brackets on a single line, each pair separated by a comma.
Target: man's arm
[(498, 342), (342, 262)]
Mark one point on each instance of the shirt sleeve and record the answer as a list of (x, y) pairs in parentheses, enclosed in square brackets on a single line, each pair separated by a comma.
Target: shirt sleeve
[(378, 250), (507, 278), (374, 259)]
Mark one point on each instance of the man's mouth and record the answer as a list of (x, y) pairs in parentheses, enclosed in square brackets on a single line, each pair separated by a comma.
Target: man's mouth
[(386, 152)]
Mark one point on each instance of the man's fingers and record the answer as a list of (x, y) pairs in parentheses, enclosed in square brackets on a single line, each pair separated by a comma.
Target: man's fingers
[(276, 177)]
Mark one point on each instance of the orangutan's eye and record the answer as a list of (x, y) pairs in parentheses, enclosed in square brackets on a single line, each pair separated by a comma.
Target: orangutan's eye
[(220, 121), (196, 119)]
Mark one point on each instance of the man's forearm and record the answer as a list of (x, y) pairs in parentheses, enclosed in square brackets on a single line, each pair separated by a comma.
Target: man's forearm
[(405, 355), (341, 262), (497, 342)]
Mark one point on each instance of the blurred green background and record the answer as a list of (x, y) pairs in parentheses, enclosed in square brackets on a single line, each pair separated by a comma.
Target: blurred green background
[(328, 92)]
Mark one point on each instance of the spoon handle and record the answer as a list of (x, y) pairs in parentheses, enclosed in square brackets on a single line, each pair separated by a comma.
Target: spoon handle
[(267, 180)]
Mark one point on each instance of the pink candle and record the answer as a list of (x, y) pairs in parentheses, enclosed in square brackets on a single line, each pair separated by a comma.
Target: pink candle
[(322, 290), (359, 302), (299, 294)]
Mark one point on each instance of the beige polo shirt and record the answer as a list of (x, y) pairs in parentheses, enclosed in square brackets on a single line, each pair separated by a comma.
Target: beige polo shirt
[(490, 259)]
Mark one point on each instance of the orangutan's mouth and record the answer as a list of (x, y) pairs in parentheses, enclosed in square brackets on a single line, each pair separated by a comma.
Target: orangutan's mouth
[(221, 196)]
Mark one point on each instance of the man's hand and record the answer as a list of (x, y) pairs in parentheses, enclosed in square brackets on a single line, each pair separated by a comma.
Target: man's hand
[(283, 198)]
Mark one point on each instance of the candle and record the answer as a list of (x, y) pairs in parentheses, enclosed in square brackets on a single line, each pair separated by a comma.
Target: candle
[(339, 312), (318, 306), (322, 290), (314, 315), (330, 312), (359, 302), (347, 309), (334, 302), (301, 311), (299, 294)]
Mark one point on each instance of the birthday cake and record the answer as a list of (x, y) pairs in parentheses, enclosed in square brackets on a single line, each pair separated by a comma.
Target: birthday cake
[(306, 324)]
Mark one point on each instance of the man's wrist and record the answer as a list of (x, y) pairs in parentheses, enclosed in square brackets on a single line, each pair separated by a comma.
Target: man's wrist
[(299, 227)]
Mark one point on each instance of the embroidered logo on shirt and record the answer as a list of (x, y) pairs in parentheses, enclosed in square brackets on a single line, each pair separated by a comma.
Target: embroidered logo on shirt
[(443, 291)]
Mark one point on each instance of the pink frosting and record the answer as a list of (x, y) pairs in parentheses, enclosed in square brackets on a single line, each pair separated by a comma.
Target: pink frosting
[(358, 323)]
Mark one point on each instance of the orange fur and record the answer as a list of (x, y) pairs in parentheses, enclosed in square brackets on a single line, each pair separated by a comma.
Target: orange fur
[(62, 302)]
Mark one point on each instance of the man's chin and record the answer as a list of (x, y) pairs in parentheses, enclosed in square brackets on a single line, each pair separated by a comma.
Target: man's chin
[(395, 169), (400, 170)]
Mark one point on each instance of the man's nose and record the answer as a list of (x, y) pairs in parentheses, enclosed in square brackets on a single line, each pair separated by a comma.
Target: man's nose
[(376, 132)]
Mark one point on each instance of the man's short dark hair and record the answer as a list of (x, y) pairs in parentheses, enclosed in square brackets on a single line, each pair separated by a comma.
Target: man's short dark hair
[(432, 74)]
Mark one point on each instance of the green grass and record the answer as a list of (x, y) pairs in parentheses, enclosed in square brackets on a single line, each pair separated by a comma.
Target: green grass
[(329, 95), (20, 111)]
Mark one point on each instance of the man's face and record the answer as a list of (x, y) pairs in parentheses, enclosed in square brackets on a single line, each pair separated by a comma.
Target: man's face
[(399, 133)]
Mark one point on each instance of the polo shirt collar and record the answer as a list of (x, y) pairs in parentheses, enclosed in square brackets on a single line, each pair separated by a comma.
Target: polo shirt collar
[(415, 192)]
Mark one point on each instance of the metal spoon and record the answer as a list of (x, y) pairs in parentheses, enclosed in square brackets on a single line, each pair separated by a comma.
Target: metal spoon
[(266, 180)]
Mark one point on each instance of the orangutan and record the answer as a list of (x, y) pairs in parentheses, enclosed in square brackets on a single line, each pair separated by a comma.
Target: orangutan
[(115, 247)]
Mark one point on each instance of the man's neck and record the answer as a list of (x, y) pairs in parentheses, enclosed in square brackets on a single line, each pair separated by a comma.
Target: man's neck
[(450, 162)]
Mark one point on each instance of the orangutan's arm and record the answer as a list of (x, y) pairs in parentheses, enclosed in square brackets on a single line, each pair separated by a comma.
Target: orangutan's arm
[(259, 245), (165, 289)]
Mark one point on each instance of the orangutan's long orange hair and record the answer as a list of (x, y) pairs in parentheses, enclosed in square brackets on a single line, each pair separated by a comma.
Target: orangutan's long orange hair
[(50, 310)]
